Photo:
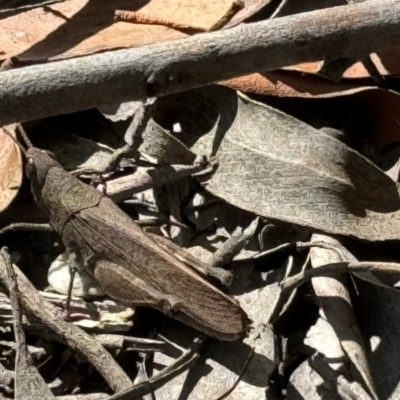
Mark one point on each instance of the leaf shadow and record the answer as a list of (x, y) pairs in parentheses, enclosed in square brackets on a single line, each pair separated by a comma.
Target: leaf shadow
[(89, 20), (256, 373), (205, 115)]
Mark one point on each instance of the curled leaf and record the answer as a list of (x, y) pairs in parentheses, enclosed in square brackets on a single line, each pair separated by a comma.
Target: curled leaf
[(10, 167)]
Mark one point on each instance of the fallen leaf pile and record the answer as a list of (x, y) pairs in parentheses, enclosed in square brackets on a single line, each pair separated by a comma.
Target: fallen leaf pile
[(270, 201)]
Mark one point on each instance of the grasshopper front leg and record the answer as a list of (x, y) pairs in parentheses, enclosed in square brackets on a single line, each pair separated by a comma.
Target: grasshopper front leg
[(125, 287)]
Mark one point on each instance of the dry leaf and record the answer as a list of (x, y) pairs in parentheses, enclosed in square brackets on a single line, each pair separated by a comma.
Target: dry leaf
[(323, 339), (220, 367), (312, 388), (80, 27), (284, 83), (278, 167), (380, 323), (10, 167), (334, 298), (387, 62), (380, 108)]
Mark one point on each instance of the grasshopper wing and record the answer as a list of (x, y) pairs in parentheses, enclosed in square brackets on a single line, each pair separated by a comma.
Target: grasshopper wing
[(107, 230)]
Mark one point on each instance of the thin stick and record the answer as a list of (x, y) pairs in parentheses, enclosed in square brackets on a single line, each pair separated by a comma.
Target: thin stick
[(23, 226), (24, 135), (28, 382), (340, 267), (336, 381), (239, 377), (140, 18), (184, 362), (32, 302), (40, 91)]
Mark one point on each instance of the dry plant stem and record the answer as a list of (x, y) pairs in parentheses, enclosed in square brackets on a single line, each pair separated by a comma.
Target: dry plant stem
[(139, 18), (339, 267), (236, 6), (230, 390), (373, 71), (119, 342), (281, 247), (233, 246), (278, 9), (346, 390), (283, 296), (91, 396), (142, 375), (74, 337), (10, 63), (121, 188), (22, 226), (45, 90), (16, 7), (306, 245), (28, 382), (184, 362), (334, 69), (133, 135)]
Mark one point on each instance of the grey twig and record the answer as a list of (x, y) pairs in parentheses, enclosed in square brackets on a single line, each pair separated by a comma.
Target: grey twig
[(67, 86), (121, 188), (339, 267), (28, 382), (184, 362), (73, 336)]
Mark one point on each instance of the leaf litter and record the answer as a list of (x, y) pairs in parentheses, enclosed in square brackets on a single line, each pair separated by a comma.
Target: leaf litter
[(299, 225)]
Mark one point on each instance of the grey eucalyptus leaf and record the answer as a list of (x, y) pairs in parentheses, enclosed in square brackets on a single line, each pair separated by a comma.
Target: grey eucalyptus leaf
[(278, 167)]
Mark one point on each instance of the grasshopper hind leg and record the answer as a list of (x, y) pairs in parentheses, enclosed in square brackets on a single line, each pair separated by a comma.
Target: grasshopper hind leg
[(125, 287)]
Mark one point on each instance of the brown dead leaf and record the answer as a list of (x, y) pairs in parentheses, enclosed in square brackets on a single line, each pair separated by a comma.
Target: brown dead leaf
[(379, 107), (10, 167), (285, 83), (387, 62), (80, 27)]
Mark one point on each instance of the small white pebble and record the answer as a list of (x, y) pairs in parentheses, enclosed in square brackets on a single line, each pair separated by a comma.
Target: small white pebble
[(375, 341), (177, 127)]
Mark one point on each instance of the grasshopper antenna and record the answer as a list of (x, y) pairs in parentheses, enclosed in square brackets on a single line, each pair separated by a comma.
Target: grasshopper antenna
[(24, 136)]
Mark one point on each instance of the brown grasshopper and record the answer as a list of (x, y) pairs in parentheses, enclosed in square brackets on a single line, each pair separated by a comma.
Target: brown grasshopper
[(129, 265)]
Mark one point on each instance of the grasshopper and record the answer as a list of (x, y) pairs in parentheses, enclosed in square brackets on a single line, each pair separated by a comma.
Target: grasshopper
[(130, 266)]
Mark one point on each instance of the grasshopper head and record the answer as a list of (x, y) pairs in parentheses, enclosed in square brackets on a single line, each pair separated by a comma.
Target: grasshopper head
[(39, 162)]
